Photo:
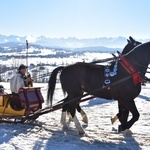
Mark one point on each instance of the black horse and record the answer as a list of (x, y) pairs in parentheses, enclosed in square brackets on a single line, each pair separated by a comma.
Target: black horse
[(123, 113), (86, 77)]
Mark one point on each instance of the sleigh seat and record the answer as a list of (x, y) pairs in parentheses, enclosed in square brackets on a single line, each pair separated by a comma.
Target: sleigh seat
[(31, 98)]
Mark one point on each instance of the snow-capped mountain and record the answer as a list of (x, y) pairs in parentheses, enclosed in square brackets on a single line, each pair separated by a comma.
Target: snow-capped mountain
[(70, 42)]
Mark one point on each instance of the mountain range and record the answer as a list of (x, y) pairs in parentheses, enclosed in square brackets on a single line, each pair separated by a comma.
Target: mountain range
[(71, 42)]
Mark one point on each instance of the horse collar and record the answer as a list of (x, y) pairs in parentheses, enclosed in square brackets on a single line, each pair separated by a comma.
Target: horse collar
[(131, 70)]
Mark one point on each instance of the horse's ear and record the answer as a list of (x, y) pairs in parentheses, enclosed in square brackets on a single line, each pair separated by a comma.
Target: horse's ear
[(131, 39), (128, 41)]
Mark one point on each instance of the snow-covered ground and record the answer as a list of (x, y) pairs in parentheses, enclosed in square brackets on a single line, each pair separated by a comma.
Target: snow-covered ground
[(47, 133)]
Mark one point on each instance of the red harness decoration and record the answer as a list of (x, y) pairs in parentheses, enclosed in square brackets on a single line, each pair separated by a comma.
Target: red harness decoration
[(131, 70)]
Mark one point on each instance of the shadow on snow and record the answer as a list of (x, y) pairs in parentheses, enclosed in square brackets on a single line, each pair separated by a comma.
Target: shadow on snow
[(97, 101), (144, 97)]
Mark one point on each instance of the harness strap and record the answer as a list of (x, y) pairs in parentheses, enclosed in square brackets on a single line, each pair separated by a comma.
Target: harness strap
[(131, 70)]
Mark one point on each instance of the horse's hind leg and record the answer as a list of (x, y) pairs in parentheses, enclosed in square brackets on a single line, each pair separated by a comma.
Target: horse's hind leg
[(70, 108), (75, 119), (83, 114), (69, 116), (63, 115), (78, 126), (63, 120)]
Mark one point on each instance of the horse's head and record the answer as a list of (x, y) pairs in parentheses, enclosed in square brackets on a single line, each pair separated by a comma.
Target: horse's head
[(131, 44), (140, 57)]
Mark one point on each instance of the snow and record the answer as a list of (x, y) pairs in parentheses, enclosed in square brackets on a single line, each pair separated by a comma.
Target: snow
[(46, 132)]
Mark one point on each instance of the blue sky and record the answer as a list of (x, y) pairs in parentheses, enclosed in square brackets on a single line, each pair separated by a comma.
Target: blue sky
[(75, 18)]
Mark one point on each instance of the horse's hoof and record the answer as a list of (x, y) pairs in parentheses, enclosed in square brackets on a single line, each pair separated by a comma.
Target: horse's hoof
[(120, 128), (70, 120), (81, 132), (85, 120), (65, 127), (114, 119), (128, 132)]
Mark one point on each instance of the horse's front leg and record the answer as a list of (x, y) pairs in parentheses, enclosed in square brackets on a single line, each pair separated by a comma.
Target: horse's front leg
[(84, 116), (122, 115), (129, 106)]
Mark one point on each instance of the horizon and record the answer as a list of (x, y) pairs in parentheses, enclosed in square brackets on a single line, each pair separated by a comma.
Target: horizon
[(31, 36), (77, 18), (61, 37)]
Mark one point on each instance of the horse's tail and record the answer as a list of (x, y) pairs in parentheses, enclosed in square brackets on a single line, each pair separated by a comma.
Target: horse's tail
[(51, 84)]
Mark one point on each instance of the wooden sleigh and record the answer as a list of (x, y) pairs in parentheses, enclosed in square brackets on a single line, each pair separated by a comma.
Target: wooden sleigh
[(16, 107)]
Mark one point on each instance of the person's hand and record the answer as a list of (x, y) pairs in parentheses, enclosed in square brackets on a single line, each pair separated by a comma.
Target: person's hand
[(28, 79)]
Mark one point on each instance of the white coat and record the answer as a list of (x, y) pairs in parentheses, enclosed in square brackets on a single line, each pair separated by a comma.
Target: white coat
[(16, 82)]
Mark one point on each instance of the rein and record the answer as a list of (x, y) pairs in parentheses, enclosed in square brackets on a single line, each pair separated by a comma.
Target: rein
[(145, 78), (140, 65), (103, 60)]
